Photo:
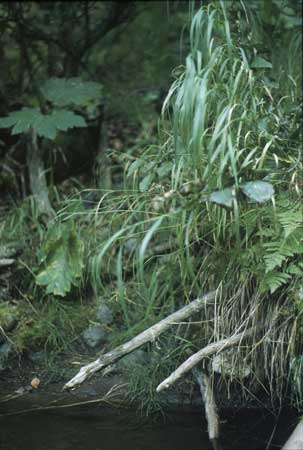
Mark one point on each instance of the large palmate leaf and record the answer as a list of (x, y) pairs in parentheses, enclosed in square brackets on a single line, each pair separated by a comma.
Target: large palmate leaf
[(46, 125), (62, 92), (61, 261)]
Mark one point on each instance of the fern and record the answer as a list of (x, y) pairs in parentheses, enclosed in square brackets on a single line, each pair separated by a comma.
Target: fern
[(280, 251), (291, 219), (274, 280)]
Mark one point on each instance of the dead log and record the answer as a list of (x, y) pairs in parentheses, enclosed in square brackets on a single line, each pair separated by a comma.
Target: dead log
[(207, 351), (211, 410), (148, 335)]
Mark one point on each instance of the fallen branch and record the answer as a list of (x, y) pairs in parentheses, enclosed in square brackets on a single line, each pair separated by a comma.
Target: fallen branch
[(295, 441), (207, 351), (211, 411), (148, 335)]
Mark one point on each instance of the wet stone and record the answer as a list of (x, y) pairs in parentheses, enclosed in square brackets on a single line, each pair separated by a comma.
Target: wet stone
[(104, 314), (132, 361), (94, 335), (5, 350)]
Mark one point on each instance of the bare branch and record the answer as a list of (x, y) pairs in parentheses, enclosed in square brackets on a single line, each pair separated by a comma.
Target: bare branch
[(209, 350), (148, 335), (211, 410)]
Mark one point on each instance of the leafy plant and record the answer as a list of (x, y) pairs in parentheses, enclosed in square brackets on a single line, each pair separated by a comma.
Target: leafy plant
[(59, 92), (46, 125), (61, 259), (228, 141)]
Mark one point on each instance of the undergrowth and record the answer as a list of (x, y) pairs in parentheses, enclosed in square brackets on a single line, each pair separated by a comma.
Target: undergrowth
[(185, 222), (164, 240)]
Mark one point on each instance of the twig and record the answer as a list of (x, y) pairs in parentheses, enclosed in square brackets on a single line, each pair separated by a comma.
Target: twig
[(209, 350), (148, 335)]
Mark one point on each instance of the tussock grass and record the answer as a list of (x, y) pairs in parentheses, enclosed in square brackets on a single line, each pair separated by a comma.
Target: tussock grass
[(160, 242)]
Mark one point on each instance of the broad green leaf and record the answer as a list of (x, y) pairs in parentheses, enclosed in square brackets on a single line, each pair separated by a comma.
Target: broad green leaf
[(21, 120), (258, 191), (224, 197), (261, 63), (64, 119), (164, 169), (61, 261), (146, 182), (134, 166), (62, 92), (46, 125)]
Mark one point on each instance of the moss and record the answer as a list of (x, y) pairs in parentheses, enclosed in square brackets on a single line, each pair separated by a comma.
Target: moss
[(8, 314), (52, 324)]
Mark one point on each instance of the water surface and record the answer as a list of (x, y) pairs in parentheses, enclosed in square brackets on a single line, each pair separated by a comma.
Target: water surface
[(45, 431)]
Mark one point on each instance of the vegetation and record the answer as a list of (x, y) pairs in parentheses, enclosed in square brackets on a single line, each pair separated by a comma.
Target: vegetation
[(213, 203)]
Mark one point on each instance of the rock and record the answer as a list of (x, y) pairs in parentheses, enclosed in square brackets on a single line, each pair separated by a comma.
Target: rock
[(132, 361), (5, 351), (94, 335), (130, 245), (37, 357), (104, 314)]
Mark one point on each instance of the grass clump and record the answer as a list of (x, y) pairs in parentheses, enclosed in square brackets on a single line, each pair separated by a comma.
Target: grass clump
[(187, 221)]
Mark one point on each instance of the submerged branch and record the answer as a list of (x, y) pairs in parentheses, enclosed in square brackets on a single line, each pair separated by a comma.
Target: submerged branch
[(211, 410), (148, 335), (209, 350)]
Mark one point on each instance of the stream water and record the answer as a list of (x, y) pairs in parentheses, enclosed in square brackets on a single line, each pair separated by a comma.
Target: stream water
[(42, 431)]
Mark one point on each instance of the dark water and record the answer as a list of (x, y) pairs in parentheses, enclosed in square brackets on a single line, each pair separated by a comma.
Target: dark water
[(33, 431)]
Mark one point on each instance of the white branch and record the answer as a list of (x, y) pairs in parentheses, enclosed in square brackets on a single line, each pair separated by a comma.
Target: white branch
[(209, 350), (148, 335), (211, 410)]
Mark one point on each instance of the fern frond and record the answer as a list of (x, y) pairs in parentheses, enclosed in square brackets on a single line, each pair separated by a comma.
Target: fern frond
[(274, 280), (290, 220)]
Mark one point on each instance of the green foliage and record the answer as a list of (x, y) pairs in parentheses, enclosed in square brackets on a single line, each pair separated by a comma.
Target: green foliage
[(283, 249), (258, 191), (46, 125), (224, 197), (61, 260), (270, 32), (60, 92), (72, 91), (51, 324), (261, 63), (229, 140)]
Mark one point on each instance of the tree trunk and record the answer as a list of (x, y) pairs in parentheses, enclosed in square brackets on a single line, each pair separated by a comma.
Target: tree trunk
[(36, 172)]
